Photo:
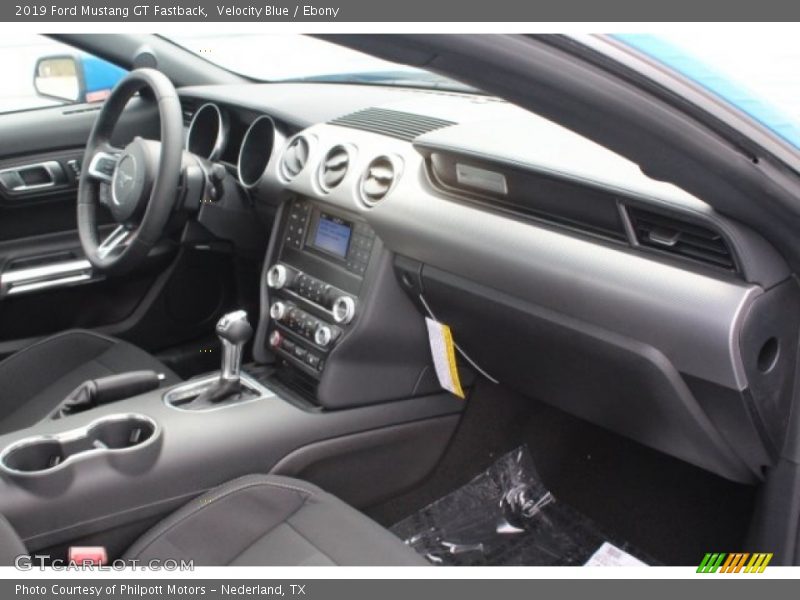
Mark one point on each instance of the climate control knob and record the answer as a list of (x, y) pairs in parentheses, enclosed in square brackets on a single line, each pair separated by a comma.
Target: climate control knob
[(277, 276), (278, 310), (343, 309), (323, 336), (275, 339)]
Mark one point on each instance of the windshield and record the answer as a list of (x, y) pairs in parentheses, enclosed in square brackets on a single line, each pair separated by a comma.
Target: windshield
[(762, 81), (301, 58)]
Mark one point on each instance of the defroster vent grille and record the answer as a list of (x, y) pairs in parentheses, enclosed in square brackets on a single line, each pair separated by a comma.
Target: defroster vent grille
[(393, 123)]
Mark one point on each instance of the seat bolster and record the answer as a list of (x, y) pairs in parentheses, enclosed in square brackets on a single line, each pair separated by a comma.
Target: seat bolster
[(271, 520), (10, 545)]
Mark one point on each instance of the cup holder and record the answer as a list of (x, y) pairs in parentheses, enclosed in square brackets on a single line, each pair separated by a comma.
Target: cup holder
[(47, 453)]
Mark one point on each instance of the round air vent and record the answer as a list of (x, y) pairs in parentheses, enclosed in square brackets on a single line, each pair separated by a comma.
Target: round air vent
[(378, 179), (295, 157), (334, 167)]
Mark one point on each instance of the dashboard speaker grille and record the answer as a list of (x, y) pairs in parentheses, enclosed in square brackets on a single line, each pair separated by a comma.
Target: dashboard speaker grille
[(393, 123), (681, 238)]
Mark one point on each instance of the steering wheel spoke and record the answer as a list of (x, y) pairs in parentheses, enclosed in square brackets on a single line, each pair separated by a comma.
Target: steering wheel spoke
[(114, 242), (104, 162), (136, 183)]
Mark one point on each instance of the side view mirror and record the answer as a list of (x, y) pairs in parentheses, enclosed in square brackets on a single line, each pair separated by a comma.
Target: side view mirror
[(57, 77), (78, 78)]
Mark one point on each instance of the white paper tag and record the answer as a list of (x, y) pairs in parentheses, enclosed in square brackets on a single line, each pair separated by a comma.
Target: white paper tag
[(608, 555), (444, 356)]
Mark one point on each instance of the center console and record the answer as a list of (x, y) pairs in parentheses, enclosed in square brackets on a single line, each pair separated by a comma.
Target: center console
[(316, 283), (102, 476), (335, 323), (109, 467), (343, 393)]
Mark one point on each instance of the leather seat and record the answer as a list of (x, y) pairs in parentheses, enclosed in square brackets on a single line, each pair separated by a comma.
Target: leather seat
[(35, 380), (263, 520)]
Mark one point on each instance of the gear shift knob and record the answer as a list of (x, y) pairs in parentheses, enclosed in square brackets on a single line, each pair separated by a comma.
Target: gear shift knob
[(234, 332)]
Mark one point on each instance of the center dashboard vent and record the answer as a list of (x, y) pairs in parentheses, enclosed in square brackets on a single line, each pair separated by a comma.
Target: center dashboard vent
[(295, 157), (334, 167), (681, 238), (378, 180), (393, 123)]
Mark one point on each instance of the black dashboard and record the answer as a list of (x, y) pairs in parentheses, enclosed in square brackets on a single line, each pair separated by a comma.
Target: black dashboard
[(563, 270)]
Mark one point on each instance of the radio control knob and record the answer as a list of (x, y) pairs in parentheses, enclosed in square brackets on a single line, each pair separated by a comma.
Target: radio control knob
[(277, 276), (275, 339), (344, 309), (323, 335), (278, 310)]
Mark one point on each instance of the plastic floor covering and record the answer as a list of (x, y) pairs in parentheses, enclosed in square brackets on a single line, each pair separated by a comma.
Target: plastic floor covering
[(506, 516)]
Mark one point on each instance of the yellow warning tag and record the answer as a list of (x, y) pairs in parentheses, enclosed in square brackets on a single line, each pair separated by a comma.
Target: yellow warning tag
[(444, 356)]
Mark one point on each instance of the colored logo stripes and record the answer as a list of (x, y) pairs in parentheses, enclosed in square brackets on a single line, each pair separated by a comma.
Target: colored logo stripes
[(736, 562)]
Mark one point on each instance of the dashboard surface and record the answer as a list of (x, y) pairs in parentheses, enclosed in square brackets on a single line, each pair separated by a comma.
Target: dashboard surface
[(492, 202)]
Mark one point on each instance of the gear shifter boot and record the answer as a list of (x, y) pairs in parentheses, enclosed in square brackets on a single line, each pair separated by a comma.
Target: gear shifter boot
[(219, 392)]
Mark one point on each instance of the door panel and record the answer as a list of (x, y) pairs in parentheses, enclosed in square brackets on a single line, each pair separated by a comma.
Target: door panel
[(40, 294), (101, 302), (67, 127), (37, 211)]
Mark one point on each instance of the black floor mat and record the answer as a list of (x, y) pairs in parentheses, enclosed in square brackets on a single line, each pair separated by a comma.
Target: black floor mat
[(671, 510)]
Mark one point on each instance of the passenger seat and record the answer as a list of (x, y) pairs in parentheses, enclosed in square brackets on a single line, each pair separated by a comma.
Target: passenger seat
[(261, 520)]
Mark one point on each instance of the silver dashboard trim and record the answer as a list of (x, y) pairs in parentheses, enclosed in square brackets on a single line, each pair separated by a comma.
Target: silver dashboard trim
[(197, 386), (277, 140), (72, 435), (279, 171), (692, 318), (351, 152), (113, 241), (222, 131), (53, 169), (398, 165), (57, 274), (94, 172)]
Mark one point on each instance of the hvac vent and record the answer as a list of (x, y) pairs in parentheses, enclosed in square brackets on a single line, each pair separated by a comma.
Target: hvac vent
[(334, 167), (394, 123), (681, 238), (188, 107), (378, 180), (295, 157)]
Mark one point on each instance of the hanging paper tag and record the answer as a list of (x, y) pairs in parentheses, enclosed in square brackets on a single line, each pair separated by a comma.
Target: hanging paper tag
[(608, 555), (444, 356)]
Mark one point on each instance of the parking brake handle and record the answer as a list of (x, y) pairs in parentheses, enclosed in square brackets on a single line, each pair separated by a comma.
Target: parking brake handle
[(103, 390)]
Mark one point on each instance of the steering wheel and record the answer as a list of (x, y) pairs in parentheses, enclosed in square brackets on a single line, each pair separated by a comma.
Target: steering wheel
[(143, 177)]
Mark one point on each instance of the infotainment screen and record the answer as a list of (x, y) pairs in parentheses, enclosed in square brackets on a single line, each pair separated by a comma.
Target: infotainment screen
[(332, 235)]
